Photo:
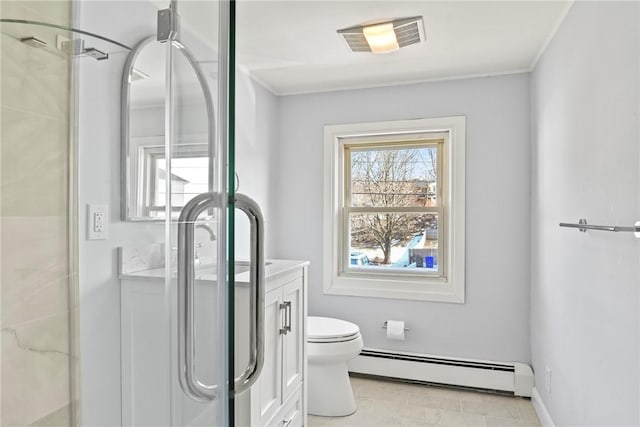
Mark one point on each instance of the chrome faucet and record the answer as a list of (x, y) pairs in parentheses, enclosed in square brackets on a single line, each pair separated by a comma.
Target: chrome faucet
[(212, 237), (208, 229)]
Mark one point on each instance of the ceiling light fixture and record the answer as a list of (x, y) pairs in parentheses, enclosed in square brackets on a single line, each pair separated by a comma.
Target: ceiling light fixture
[(381, 38), (384, 37)]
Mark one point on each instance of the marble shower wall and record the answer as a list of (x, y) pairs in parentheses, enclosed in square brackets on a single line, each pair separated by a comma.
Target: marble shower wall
[(34, 233)]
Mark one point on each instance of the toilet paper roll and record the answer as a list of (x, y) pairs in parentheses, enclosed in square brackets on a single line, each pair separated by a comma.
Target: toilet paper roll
[(395, 330)]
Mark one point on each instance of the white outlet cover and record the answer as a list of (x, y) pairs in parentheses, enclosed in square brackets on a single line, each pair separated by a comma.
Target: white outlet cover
[(97, 222)]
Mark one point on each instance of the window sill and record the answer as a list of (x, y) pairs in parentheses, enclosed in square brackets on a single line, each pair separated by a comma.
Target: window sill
[(428, 289)]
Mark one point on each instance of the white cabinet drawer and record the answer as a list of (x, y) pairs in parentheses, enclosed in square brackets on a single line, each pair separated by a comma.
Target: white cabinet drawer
[(290, 414)]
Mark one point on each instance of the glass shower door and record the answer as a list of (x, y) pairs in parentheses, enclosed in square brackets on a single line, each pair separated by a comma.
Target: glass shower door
[(198, 212)]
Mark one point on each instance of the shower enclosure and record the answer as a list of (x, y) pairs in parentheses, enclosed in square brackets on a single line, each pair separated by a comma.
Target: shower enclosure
[(117, 157)]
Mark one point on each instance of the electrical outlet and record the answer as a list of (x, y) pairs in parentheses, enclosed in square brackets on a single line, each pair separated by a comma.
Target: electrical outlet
[(547, 379), (97, 222)]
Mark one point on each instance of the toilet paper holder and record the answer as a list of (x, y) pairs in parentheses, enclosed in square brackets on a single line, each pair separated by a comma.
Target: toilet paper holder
[(384, 326)]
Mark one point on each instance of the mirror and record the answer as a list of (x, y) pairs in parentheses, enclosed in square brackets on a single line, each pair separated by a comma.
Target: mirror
[(144, 160)]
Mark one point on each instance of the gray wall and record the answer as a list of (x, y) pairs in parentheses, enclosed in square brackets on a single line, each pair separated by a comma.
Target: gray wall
[(99, 182), (494, 322), (585, 138), (256, 137)]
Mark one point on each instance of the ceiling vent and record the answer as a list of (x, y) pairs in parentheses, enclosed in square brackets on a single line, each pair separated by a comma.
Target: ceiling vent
[(384, 37)]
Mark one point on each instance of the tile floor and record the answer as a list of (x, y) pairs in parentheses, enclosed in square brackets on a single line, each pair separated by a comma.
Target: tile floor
[(386, 403)]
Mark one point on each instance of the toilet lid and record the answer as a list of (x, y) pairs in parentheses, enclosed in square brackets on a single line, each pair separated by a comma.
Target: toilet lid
[(327, 329)]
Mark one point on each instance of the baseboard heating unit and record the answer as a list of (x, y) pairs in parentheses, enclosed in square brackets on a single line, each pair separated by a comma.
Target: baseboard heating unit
[(513, 377)]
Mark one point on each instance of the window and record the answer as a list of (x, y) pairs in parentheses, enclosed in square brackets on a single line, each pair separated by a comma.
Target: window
[(189, 177), (394, 209), (391, 208)]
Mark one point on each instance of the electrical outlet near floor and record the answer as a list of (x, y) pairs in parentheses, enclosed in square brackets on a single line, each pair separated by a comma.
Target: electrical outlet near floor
[(547, 379), (97, 222)]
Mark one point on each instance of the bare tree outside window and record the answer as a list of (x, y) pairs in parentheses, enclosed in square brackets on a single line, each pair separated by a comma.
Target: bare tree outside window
[(399, 178)]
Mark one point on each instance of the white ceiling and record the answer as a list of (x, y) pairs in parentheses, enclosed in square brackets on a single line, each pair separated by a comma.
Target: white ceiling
[(292, 46)]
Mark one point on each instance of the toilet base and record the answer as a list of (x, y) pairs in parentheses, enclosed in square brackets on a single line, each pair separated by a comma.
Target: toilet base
[(330, 393)]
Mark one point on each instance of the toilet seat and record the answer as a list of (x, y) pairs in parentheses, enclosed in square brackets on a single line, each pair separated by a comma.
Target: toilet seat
[(328, 330)]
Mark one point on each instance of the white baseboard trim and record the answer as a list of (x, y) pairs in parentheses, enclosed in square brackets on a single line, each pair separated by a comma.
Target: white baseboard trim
[(482, 374), (541, 409)]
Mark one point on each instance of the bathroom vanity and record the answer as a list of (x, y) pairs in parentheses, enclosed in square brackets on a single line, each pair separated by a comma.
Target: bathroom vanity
[(148, 347)]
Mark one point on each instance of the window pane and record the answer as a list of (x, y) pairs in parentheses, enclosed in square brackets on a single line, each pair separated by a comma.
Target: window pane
[(394, 177), (394, 240), (189, 177), (160, 195)]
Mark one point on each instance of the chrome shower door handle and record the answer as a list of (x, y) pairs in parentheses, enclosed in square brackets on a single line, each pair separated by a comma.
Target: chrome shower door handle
[(186, 286), (257, 279)]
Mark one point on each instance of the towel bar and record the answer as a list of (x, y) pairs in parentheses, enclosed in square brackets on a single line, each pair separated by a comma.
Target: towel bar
[(583, 227)]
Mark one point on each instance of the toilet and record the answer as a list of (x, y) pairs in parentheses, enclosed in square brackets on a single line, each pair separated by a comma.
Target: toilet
[(331, 343)]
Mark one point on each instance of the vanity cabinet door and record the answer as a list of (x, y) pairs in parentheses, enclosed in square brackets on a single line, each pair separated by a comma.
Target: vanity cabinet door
[(269, 385), (277, 398), (293, 341)]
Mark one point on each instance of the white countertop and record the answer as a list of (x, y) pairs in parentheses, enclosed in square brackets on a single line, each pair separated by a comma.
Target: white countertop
[(273, 268)]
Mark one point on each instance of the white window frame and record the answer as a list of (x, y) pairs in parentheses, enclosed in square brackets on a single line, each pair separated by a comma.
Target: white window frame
[(336, 281)]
